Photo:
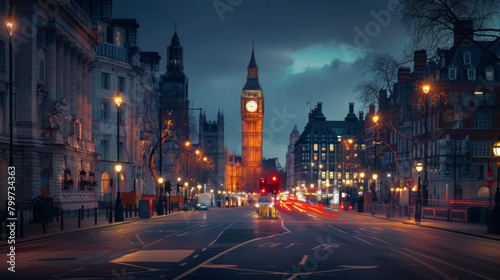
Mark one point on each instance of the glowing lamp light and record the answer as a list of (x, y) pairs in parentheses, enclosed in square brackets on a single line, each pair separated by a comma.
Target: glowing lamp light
[(426, 88), (496, 149), (419, 167)]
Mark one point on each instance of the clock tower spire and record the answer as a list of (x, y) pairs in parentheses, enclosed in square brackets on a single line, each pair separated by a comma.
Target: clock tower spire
[(252, 118)]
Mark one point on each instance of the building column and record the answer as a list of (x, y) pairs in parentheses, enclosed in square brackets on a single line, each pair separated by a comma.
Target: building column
[(80, 105), (51, 73), (66, 84), (72, 88)]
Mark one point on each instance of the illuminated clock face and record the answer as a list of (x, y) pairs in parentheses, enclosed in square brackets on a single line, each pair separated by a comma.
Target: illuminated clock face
[(251, 106)]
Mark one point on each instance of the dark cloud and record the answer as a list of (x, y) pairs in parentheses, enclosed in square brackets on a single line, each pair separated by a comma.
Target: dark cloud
[(217, 48)]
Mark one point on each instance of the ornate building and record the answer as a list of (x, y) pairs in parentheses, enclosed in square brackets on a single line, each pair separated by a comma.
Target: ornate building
[(290, 175), (53, 145), (328, 155), (252, 118), (174, 91)]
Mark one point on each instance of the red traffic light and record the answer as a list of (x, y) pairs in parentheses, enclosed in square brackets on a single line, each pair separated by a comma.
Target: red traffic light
[(274, 178)]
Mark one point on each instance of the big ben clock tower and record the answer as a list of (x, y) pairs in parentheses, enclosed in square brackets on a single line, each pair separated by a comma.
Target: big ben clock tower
[(252, 118)]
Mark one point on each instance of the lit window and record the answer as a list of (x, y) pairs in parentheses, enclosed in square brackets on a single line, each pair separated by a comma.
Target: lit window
[(118, 38), (478, 98), (489, 73)]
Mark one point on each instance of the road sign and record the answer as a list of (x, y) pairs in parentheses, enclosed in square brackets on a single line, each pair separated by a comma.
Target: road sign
[(410, 182)]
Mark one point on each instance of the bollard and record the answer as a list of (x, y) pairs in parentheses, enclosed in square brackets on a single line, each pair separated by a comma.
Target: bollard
[(107, 209), (44, 223), (82, 213), (88, 212), (135, 210), (110, 218), (62, 220), (126, 210), (57, 214), (130, 210), (95, 216)]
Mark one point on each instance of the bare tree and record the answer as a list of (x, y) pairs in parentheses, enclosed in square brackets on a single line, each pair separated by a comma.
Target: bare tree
[(382, 74), (431, 23)]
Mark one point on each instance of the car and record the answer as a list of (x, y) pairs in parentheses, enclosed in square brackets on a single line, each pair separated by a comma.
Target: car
[(346, 206), (202, 206), (264, 201)]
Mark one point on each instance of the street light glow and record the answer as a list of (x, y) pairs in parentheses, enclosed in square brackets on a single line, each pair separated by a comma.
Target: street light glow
[(419, 167), (118, 167), (496, 149), (10, 27), (118, 100), (426, 88)]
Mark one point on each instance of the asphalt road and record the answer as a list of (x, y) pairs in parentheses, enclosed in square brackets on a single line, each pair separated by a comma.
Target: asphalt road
[(233, 243)]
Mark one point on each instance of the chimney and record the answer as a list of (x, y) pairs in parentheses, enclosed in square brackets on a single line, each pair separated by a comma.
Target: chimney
[(351, 107), (361, 116), (383, 100), (462, 30), (404, 74), (371, 109), (419, 60)]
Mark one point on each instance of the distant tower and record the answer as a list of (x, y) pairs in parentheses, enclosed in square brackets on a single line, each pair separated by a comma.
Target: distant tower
[(252, 118), (174, 90), (294, 136), (212, 142)]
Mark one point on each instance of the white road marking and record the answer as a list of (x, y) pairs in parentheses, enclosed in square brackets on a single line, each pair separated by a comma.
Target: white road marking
[(303, 261)]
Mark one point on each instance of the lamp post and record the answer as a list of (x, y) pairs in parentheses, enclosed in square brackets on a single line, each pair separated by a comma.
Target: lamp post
[(374, 190), (418, 204), (118, 205), (494, 223), (389, 195), (159, 201), (425, 89)]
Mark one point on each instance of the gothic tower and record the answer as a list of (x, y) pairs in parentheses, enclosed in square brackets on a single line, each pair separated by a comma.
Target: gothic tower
[(211, 134), (174, 91), (252, 118)]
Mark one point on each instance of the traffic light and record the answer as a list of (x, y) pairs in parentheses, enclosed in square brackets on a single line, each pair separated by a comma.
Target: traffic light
[(263, 186), (168, 186), (263, 191), (275, 182), (178, 188)]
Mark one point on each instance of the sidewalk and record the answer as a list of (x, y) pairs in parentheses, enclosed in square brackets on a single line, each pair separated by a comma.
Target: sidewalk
[(34, 231), (472, 229)]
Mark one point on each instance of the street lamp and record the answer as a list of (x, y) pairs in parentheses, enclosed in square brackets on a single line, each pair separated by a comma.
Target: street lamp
[(362, 176), (159, 201), (426, 88), (118, 206), (374, 196), (418, 204), (494, 223)]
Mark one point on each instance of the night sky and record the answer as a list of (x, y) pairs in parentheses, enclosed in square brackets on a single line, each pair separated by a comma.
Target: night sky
[(305, 50)]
